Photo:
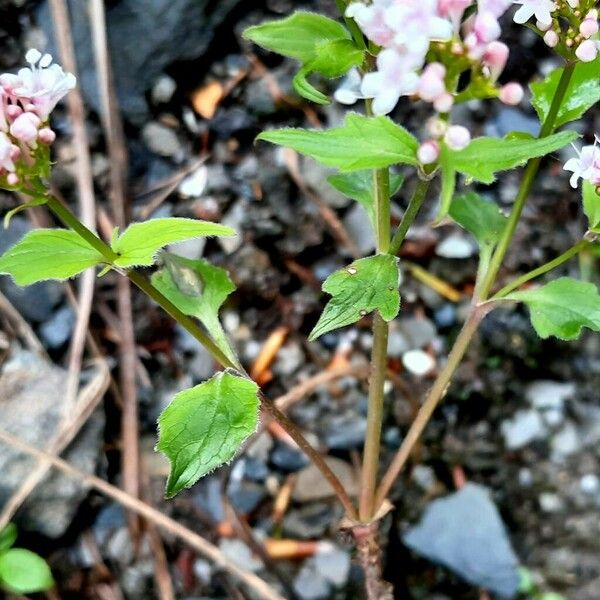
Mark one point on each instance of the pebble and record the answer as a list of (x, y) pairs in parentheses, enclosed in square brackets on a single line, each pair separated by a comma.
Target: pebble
[(194, 185), (525, 427), (455, 245), (57, 330), (288, 459), (163, 89), (565, 442), (344, 432), (418, 362), (240, 554), (203, 570), (310, 521), (309, 584), (590, 484), (234, 218), (359, 228), (424, 477), (289, 359), (162, 140), (465, 532), (551, 502), (311, 485), (333, 563), (419, 332)]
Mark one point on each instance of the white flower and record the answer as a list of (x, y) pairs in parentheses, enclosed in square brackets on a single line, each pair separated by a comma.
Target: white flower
[(542, 9), (6, 153), (586, 165), (395, 77), (43, 84), (371, 20), (349, 90)]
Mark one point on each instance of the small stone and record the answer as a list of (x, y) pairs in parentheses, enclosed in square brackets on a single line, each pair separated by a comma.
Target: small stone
[(289, 359), (418, 362), (344, 432), (546, 394), (419, 332), (234, 218), (162, 140), (565, 442), (332, 563), (203, 570), (360, 231), (551, 503), (590, 484), (119, 547), (288, 459), (525, 427), (194, 185), (311, 485), (310, 521), (455, 245), (240, 554), (424, 477), (57, 330), (310, 584), (397, 342), (163, 89)]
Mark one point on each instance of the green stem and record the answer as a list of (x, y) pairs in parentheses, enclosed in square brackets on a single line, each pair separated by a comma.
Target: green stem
[(351, 24), (526, 184), (409, 216), (381, 185), (549, 266)]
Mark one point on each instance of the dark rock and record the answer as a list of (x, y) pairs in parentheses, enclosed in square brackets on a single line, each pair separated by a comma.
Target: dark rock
[(144, 37), (344, 432), (287, 458), (465, 533), (245, 496), (311, 521)]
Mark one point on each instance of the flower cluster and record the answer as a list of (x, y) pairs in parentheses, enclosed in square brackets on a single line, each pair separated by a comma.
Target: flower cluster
[(411, 32), (586, 166), (26, 101)]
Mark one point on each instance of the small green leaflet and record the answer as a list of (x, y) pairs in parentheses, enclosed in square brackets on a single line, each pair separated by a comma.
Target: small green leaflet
[(197, 289), (321, 44), (562, 307), (366, 285), (482, 218), (485, 156), (583, 92), (204, 426), (591, 206), (48, 254), (358, 185), (8, 536), (140, 242), (24, 572), (361, 143), (297, 35)]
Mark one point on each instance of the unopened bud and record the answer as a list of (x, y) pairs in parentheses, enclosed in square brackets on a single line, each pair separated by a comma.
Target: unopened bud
[(13, 111), (588, 27), (543, 26), (46, 136), (495, 57), (512, 94), (428, 152), (12, 179), (25, 127), (431, 84), (436, 127), (551, 38), (443, 103), (457, 137), (587, 51)]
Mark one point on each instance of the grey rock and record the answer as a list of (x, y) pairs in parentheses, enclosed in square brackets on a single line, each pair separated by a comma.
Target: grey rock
[(525, 427), (590, 484), (512, 119), (455, 245), (32, 403), (344, 432), (162, 140), (551, 503), (332, 563), (35, 302), (163, 89), (240, 554), (418, 332), (566, 442), (289, 358), (309, 584), (57, 330), (310, 521), (287, 458), (140, 49), (311, 485), (465, 533), (545, 394), (359, 228)]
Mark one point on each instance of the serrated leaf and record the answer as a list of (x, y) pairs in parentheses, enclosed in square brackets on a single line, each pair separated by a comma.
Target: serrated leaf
[(366, 285), (486, 156), (24, 572), (562, 308), (591, 205), (297, 35), (198, 289), (480, 217), (582, 93), (139, 244), (361, 143), (48, 254), (204, 426), (8, 536), (358, 185)]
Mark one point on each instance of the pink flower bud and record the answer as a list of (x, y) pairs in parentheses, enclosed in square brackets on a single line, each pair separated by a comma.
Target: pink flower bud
[(443, 103), (436, 127), (486, 27), (588, 27), (12, 179), (495, 57), (587, 51), (428, 152), (431, 83), (543, 26), (592, 14), (457, 137), (512, 93), (25, 127), (551, 38), (47, 136), (13, 111)]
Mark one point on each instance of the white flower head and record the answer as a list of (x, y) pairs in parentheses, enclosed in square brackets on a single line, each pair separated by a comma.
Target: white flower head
[(541, 9), (586, 165), (43, 84), (348, 92)]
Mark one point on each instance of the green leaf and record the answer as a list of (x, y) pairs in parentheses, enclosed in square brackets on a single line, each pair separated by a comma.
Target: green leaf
[(24, 572), (358, 185), (8, 536), (591, 205), (297, 35), (485, 156), (361, 143), (482, 218), (562, 307), (582, 93), (48, 254), (366, 285), (140, 242), (197, 289), (305, 89), (15, 211), (204, 426)]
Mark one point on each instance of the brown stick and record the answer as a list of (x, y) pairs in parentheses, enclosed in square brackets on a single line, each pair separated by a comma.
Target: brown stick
[(198, 543)]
